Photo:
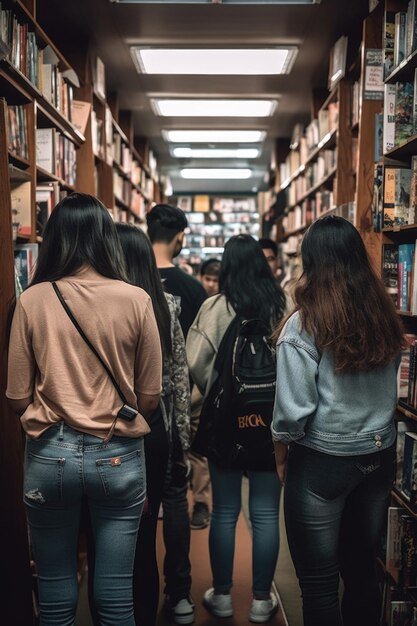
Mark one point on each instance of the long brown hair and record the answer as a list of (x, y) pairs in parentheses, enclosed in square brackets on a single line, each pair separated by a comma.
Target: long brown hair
[(342, 303)]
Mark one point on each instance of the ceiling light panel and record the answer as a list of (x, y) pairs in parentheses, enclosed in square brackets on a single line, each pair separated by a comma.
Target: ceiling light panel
[(215, 174), (214, 108), (198, 61), (214, 136), (215, 153)]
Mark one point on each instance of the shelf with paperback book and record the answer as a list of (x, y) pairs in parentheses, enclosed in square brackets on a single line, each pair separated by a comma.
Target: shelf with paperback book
[(212, 220), (34, 57), (111, 168), (317, 175)]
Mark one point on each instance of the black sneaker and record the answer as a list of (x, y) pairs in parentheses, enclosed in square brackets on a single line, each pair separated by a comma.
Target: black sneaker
[(200, 517)]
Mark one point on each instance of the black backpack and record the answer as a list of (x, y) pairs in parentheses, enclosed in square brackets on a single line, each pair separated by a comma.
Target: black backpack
[(234, 427)]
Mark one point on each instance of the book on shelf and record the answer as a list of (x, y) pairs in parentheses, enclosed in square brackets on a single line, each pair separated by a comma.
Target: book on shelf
[(337, 65), (394, 536), (390, 271), (379, 126), (396, 196), (56, 154), (401, 612), (46, 148), (389, 117), (21, 207), (400, 37), (25, 257), (17, 130), (404, 93), (185, 203), (388, 42), (47, 197), (80, 112), (201, 203), (378, 197), (408, 575), (412, 215), (97, 135), (402, 428), (409, 480), (99, 78), (405, 275)]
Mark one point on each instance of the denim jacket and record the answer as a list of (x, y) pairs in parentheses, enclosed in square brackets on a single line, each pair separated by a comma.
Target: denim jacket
[(344, 414)]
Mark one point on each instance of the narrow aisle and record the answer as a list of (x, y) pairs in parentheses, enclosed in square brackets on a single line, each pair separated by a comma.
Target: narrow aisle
[(201, 573)]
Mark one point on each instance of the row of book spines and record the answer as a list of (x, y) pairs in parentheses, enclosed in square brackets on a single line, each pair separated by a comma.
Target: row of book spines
[(27, 57), (310, 209), (400, 195), (17, 131), (400, 113), (56, 154), (401, 551), (400, 36), (309, 139), (399, 275)]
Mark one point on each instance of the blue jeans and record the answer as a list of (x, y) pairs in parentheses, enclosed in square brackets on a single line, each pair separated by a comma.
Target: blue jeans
[(335, 509), (60, 468), (264, 497)]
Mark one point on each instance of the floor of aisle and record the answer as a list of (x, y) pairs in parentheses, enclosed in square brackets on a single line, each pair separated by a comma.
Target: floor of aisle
[(285, 581)]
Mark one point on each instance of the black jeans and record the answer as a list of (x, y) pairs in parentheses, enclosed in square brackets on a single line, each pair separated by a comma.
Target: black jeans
[(145, 574), (176, 530), (335, 508)]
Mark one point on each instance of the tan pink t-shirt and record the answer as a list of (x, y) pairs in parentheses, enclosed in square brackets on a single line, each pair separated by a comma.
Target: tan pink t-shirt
[(51, 362)]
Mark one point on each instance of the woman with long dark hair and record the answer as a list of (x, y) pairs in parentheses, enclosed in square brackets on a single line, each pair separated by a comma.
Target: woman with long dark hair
[(247, 290), (335, 401), (83, 440), (172, 418)]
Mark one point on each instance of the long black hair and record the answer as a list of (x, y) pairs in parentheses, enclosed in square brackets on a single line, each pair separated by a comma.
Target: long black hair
[(342, 302), (142, 272), (79, 232), (247, 281)]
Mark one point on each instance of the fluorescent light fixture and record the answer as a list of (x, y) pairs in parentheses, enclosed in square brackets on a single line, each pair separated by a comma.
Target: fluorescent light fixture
[(214, 108), (215, 153), (214, 136), (215, 174), (229, 61)]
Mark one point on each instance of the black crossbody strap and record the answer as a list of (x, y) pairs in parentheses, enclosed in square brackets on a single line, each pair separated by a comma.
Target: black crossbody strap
[(87, 341)]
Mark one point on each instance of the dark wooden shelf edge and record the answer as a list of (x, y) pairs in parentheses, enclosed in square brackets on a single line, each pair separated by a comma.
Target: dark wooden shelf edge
[(406, 65), (332, 95), (398, 229), (404, 148), (48, 177), (18, 159), (407, 410), (43, 103), (400, 499), (17, 174)]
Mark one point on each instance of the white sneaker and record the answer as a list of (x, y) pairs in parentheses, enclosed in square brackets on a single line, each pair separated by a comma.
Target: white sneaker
[(263, 610), (220, 605), (183, 612)]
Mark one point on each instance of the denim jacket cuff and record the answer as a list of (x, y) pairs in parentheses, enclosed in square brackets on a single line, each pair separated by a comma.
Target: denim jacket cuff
[(285, 437)]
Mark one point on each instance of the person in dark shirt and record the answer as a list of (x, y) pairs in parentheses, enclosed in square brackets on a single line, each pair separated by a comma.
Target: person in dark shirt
[(166, 225)]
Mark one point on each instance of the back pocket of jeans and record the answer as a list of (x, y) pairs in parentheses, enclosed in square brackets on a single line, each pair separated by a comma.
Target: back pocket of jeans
[(43, 482), (123, 476)]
